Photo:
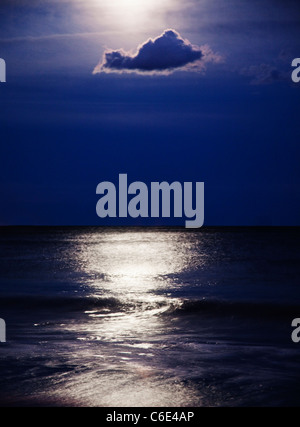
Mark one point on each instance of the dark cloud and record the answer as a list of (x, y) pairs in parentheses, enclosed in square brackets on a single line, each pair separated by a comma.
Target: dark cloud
[(265, 74), (163, 55)]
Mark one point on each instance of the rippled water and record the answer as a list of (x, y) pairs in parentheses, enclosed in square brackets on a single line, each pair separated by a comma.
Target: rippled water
[(149, 317)]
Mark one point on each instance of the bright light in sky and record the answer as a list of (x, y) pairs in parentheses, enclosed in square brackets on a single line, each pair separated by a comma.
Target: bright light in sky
[(132, 6), (133, 14)]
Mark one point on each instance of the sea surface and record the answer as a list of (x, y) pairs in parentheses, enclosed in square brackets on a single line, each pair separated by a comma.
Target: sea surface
[(149, 316)]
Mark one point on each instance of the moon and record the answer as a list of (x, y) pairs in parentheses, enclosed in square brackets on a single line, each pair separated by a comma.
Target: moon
[(132, 14)]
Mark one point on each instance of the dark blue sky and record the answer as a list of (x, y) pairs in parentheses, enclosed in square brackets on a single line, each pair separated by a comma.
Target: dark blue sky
[(230, 119)]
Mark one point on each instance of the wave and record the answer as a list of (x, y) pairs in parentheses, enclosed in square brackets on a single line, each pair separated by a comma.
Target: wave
[(238, 308), (61, 303), (165, 306)]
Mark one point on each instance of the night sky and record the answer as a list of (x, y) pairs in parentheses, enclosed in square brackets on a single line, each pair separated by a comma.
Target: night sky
[(209, 98)]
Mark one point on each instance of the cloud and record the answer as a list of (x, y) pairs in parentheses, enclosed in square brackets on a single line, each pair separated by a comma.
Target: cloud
[(53, 36), (162, 55), (265, 74)]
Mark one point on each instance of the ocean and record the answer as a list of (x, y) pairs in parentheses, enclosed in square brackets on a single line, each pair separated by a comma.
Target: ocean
[(149, 316)]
